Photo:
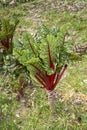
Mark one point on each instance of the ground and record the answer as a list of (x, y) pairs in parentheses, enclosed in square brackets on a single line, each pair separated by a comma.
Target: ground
[(32, 112)]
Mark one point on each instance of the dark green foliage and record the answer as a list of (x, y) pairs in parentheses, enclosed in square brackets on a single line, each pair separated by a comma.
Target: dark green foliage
[(46, 53), (7, 29), (43, 31)]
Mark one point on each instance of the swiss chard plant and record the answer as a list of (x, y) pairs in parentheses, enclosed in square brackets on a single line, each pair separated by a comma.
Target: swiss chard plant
[(7, 29), (46, 56)]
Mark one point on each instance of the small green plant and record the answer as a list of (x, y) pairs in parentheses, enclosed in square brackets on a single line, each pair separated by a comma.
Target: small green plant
[(46, 59), (7, 29)]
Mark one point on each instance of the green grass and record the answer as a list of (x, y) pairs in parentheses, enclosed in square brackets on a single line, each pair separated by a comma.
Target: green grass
[(7, 109), (68, 116)]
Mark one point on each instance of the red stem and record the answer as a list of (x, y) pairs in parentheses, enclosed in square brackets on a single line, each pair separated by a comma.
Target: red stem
[(50, 58), (31, 47), (5, 44), (51, 80), (41, 81), (38, 70), (60, 75), (41, 75), (44, 78)]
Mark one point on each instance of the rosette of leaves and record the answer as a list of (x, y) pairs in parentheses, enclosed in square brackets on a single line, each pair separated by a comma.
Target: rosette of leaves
[(46, 59)]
